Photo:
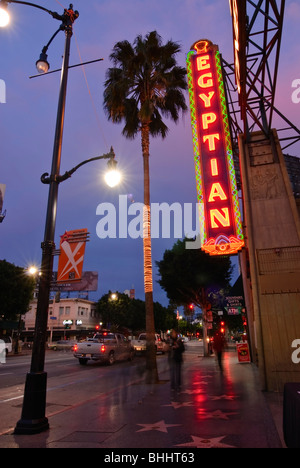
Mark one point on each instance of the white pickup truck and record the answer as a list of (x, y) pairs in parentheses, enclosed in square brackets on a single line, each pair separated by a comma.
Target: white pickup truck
[(141, 343), (105, 347), (5, 348)]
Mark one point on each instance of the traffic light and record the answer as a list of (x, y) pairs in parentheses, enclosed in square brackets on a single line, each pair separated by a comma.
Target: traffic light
[(222, 325), (189, 309)]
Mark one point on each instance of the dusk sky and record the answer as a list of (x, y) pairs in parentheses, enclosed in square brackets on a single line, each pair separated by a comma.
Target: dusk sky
[(28, 123)]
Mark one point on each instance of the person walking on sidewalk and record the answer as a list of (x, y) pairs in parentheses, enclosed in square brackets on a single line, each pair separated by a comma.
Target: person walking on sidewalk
[(219, 346), (175, 360)]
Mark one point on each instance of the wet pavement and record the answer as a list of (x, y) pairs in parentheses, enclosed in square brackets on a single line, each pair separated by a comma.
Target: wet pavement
[(214, 409)]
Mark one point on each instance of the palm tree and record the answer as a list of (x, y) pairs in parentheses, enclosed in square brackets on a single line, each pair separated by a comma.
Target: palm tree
[(144, 85)]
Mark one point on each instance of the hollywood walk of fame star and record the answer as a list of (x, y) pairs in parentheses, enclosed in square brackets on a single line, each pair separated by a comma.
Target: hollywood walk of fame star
[(160, 426), (218, 414), (201, 442), (224, 397), (177, 404), (201, 382), (192, 392)]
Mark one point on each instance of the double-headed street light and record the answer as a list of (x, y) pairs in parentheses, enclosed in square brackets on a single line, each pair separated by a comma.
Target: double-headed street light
[(33, 419)]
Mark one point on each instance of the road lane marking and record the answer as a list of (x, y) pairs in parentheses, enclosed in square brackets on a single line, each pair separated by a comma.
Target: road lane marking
[(11, 399)]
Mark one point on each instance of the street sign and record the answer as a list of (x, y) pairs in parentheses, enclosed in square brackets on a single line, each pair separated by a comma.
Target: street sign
[(233, 310), (88, 282), (243, 352)]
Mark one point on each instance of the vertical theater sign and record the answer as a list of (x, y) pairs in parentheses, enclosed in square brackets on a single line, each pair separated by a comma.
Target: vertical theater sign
[(220, 219)]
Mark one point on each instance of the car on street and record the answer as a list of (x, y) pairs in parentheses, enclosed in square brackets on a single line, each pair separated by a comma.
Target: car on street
[(5, 347), (2, 352), (62, 345), (141, 343), (104, 347)]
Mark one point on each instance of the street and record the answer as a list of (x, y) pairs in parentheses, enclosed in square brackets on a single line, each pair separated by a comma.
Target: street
[(112, 406), (69, 384)]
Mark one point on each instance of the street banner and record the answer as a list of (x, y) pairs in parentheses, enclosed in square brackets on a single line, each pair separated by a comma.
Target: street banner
[(88, 282), (71, 257), (243, 352)]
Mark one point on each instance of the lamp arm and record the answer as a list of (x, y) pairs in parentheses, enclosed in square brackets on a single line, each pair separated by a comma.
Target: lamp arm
[(52, 38), (52, 13), (46, 179)]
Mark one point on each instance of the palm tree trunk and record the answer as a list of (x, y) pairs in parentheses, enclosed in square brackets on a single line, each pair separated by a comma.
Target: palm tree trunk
[(151, 365)]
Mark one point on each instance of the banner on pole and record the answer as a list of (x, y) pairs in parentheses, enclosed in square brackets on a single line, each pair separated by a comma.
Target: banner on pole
[(72, 250)]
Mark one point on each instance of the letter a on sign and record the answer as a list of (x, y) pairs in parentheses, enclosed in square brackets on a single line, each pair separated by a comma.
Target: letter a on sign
[(72, 249)]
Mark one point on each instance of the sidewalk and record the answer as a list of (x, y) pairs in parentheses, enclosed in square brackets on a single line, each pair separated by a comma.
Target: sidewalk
[(213, 410)]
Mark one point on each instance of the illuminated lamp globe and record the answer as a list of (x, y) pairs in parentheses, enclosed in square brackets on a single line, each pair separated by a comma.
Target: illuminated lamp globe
[(42, 64), (4, 17), (112, 178), (33, 270)]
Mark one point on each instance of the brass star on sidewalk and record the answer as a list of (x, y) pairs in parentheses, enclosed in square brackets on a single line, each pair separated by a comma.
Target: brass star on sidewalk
[(201, 442), (177, 404), (201, 382), (218, 414), (160, 426), (192, 392), (224, 397)]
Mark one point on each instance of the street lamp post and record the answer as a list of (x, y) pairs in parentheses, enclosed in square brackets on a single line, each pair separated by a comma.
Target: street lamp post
[(33, 419)]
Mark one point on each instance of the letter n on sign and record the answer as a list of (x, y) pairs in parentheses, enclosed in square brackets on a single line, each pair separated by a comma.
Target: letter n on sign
[(220, 223)]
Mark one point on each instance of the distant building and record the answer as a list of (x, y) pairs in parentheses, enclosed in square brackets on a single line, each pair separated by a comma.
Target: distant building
[(68, 318)]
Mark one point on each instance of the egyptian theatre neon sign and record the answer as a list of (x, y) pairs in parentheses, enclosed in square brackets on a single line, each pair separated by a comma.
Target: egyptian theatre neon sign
[(220, 219)]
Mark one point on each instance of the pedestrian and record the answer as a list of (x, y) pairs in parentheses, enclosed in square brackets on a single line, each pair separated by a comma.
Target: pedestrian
[(175, 360), (219, 345)]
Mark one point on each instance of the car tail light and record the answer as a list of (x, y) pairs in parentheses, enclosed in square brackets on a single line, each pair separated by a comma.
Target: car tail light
[(75, 347), (102, 349)]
